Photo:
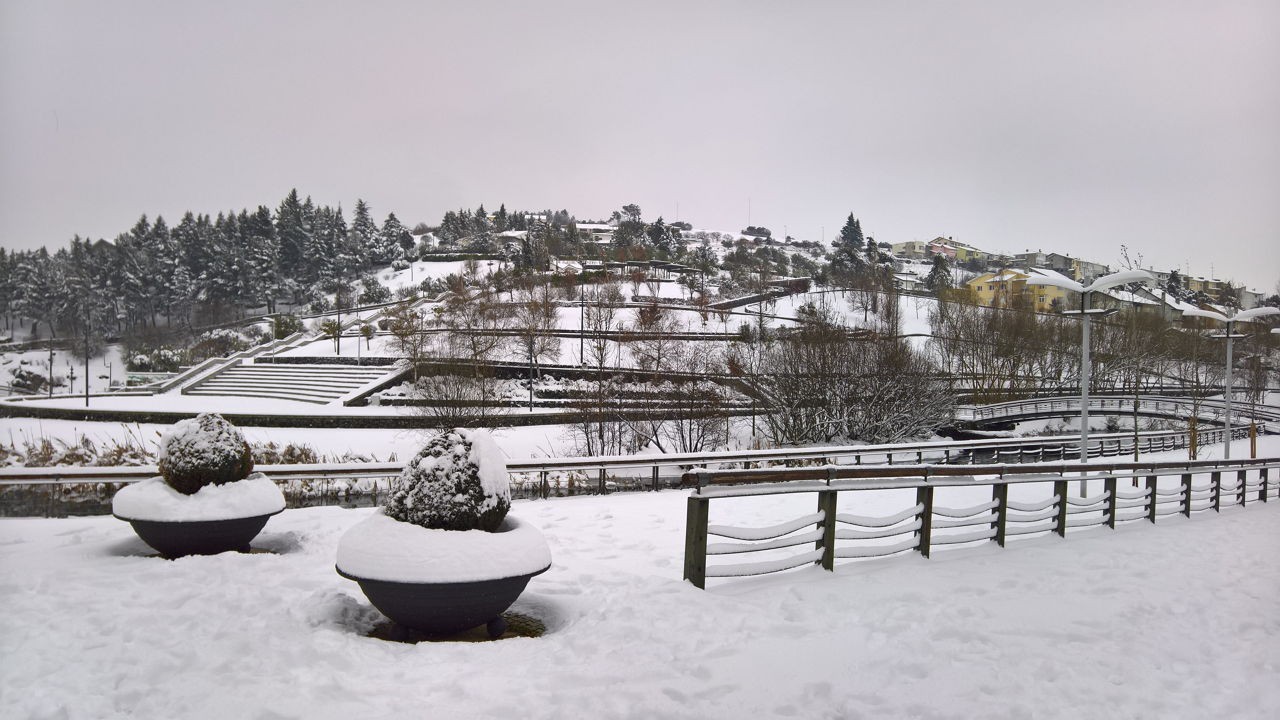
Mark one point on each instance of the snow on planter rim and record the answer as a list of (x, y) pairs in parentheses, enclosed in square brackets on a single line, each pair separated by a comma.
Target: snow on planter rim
[(381, 548), (154, 500)]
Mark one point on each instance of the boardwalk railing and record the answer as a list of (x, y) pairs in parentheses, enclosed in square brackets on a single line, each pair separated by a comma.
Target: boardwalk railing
[(1148, 405), (1156, 490), (1027, 449)]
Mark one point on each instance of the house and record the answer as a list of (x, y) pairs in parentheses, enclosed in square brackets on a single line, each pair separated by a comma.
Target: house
[(910, 282), (940, 246), (914, 249), (1008, 288), (596, 233)]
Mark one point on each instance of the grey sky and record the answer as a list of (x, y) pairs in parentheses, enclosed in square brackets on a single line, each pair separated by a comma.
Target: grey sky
[(1073, 126)]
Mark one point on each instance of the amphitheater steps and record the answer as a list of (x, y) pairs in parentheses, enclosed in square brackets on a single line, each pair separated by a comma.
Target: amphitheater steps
[(320, 384)]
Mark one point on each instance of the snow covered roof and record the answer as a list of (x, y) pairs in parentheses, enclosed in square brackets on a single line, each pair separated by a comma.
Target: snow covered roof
[(1045, 272), (1129, 297)]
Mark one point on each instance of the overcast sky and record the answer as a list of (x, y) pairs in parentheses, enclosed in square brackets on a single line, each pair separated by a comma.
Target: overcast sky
[(1070, 126)]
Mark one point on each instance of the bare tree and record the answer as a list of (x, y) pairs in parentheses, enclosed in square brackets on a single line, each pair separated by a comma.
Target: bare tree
[(409, 327), (824, 386)]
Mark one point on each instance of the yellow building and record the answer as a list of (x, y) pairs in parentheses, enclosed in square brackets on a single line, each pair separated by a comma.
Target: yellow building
[(1008, 288)]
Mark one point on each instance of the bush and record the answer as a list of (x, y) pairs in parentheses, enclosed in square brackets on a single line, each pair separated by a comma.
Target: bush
[(206, 450), (287, 325), (458, 481), (160, 359), (218, 343), (399, 264), (374, 292)]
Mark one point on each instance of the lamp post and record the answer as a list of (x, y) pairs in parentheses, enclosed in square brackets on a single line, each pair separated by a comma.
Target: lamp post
[(1086, 314), (1244, 316)]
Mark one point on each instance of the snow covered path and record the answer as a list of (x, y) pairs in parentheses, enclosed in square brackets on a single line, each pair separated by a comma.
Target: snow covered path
[(1174, 620)]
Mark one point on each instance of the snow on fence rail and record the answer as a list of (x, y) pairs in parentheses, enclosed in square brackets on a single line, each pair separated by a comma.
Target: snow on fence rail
[(1176, 407), (87, 490), (926, 525), (1028, 449)]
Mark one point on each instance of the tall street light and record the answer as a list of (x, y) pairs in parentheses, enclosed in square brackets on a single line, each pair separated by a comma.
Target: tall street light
[(1086, 314), (1244, 316)]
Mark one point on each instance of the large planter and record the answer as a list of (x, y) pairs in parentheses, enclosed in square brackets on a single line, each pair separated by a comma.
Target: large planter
[(216, 519), (442, 582)]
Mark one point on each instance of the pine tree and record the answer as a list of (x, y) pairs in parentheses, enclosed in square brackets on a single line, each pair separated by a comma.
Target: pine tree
[(292, 232), (939, 277), (393, 233), (848, 262), (1174, 286), (365, 235)]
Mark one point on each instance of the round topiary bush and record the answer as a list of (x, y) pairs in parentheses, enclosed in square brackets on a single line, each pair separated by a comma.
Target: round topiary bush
[(206, 450), (458, 481)]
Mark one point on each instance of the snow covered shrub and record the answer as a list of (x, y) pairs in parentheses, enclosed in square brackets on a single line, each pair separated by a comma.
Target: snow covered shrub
[(219, 343), (374, 292), (149, 357), (458, 481), (206, 450), (287, 325), (399, 264)]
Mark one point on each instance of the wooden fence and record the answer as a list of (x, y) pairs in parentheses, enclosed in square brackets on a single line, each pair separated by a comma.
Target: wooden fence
[(926, 526)]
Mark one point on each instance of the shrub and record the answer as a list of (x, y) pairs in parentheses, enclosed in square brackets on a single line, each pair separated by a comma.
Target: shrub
[(218, 343), (399, 264), (206, 450), (374, 292), (458, 481), (157, 359), (287, 325)]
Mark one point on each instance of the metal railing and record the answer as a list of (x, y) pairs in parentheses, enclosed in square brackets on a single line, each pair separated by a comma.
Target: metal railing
[(1173, 407), (1029, 449), (55, 491), (828, 534)]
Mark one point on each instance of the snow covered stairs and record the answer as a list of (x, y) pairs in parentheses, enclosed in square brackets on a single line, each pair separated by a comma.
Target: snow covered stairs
[(321, 384)]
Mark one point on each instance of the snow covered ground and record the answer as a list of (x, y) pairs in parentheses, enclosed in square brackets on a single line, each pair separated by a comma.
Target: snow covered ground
[(1175, 620)]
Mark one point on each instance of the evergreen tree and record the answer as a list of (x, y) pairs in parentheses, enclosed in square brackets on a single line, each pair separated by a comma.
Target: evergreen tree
[(8, 278), (393, 233), (848, 262), (939, 277), (1174, 286), (292, 233), (39, 288), (365, 236)]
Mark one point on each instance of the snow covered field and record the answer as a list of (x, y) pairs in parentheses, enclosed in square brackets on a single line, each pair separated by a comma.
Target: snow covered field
[(1175, 620)]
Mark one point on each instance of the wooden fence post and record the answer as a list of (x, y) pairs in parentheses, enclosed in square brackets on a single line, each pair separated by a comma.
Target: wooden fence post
[(827, 506), (1151, 498), (1111, 502), (602, 471), (1000, 493), (1060, 489), (1186, 495), (1244, 495), (924, 496), (1216, 478), (1262, 491), (655, 477), (695, 541)]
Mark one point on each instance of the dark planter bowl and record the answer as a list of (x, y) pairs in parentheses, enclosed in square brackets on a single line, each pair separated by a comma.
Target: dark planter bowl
[(445, 608), (178, 538)]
